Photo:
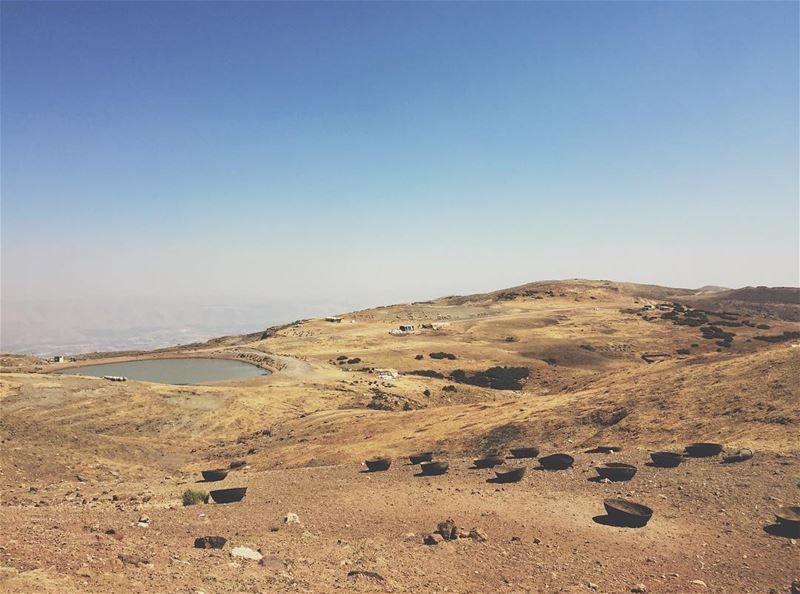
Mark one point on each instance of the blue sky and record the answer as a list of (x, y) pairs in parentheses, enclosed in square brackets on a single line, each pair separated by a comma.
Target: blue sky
[(392, 151)]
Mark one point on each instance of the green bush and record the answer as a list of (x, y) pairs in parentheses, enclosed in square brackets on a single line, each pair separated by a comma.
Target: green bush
[(194, 497)]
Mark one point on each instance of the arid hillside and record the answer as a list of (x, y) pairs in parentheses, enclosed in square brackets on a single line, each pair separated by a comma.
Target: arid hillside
[(566, 366)]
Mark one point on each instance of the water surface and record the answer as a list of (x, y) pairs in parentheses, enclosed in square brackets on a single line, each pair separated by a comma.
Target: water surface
[(173, 371)]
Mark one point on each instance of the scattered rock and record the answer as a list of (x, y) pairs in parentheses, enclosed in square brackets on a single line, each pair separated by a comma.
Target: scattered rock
[(477, 534), (367, 574), (699, 583), (639, 589), (795, 587), (209, 542), (448, 529), (291, 518), (593, 586), (246, 553), (739, 455), (433, 539)]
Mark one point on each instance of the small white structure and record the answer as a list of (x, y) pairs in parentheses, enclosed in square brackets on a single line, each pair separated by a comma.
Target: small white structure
[(333, 319), (406, 328), (59, 359), (386, 374)]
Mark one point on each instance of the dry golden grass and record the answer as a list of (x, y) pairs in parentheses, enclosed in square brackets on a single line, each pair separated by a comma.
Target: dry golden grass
[(317, 410)]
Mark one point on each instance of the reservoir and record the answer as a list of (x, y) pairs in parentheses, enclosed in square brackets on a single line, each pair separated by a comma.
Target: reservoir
[(173, 371)]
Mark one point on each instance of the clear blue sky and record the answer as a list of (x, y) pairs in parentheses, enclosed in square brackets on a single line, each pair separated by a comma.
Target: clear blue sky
[(396, 150)]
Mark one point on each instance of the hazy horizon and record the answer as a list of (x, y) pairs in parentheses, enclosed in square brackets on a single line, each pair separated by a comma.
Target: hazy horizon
[(369, 153), (48, 327)]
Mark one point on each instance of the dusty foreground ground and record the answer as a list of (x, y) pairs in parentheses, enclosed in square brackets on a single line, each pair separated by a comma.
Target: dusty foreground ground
[(92, 472), (709, 525)]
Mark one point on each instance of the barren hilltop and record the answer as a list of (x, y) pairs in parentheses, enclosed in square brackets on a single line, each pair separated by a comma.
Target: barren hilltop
[(94, 472)]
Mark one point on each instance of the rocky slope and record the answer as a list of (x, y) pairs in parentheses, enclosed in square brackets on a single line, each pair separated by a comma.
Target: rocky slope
[(635, 366)]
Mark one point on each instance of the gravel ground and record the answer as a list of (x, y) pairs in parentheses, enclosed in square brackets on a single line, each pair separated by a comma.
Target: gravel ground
[(363, 532)]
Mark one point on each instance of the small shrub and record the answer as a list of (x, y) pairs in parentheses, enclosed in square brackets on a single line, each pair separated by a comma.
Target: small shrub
[(427, 373), (191, 497), (788, 335), (497, 378), (729, 323), (353, 361), (419, 357), (683, 351), (711, 332), (449, 388), (376, 404), (442, 355), (341, 357)]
